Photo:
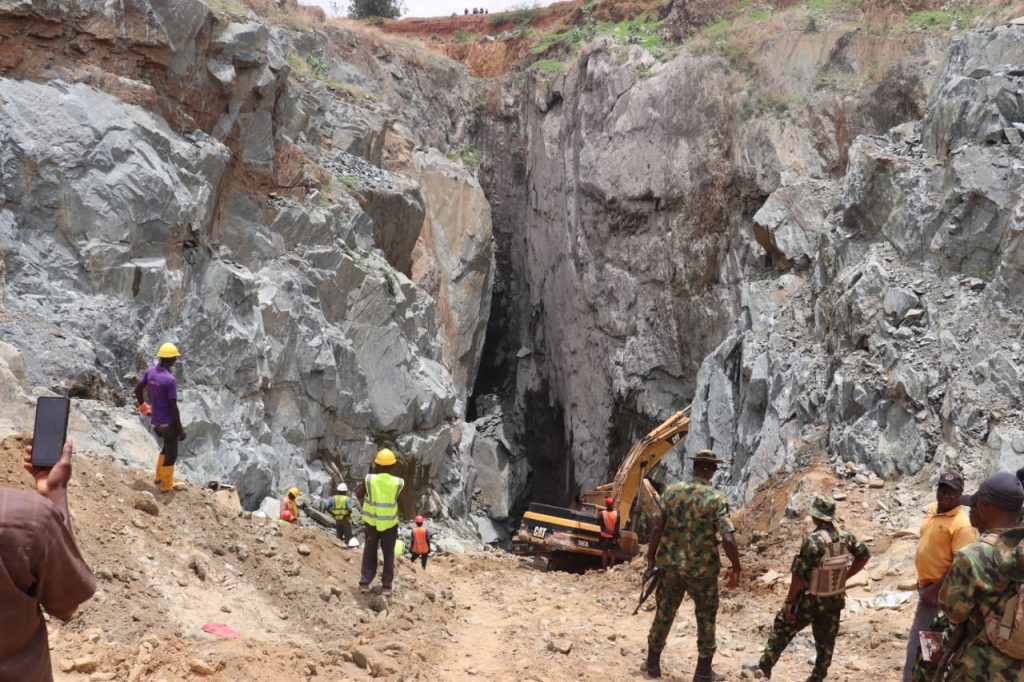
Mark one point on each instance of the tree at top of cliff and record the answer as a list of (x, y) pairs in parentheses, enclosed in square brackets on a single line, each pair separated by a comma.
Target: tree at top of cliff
[(364, 9)]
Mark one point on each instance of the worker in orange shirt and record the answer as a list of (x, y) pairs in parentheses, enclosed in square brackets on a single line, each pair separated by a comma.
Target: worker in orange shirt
[(946, 530), (609, 533), (290, 508), (419, 543)]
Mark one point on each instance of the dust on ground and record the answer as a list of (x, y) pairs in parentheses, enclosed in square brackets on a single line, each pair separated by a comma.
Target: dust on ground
[(291, 594)]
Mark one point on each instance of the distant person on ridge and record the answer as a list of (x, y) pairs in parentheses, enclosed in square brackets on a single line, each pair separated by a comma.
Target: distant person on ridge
[(419, 543), (162, 410), (378, 495), (609, 519)]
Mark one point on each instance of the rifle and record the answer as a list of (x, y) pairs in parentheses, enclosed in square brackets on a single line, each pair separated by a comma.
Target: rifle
[(956, 638), (651, 579)]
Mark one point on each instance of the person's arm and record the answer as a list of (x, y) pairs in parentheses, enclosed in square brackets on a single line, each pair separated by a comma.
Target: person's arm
[(732, 551), (800, 572), (956, 597), (727, 531), (139, 387), (361, 491), (860, 553), (652, 546), (63, 580)]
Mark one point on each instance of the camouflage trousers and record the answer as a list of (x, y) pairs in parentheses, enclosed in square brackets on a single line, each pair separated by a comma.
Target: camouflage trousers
[(671, 591), (822, 614)]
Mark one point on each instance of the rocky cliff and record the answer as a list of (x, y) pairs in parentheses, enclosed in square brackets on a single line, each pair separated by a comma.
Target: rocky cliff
[(766, 229), (269, 197), (808, 229)]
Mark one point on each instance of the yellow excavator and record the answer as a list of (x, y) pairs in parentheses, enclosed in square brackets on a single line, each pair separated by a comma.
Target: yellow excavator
[(556, 536)]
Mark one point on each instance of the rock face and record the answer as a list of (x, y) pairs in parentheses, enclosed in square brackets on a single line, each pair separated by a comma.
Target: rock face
[(228, 186), (642, 209), (897, 347)]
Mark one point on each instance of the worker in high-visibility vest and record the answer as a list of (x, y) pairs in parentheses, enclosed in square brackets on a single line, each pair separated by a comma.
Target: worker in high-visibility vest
[(609, 533), (340, 507), (378, 496), (419, 543)]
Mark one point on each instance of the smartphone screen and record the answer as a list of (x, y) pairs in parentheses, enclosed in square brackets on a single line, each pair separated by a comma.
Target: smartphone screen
[(50, 431)]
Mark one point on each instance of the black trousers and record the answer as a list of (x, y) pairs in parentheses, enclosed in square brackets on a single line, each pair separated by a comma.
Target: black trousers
[(386, 540), (170, 447), (343, 527), (421, 557)]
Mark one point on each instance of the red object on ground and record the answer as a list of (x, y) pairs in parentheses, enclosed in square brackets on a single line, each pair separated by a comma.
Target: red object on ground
[(220, 630)]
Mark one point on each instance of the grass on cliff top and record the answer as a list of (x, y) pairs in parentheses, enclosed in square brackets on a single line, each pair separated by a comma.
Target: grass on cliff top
[(468, 155)]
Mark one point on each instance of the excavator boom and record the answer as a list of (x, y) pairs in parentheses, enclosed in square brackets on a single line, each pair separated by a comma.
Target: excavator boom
[(547, 530)]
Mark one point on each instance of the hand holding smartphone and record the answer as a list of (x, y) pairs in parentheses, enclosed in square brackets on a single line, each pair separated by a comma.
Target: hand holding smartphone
[(50, 432)]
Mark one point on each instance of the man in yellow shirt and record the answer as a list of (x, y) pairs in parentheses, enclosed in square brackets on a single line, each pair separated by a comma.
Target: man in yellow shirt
[(946, 530)]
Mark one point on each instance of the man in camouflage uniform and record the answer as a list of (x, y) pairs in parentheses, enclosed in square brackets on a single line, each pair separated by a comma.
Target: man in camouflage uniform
[(684, 544), (801, 608), (983, 577)]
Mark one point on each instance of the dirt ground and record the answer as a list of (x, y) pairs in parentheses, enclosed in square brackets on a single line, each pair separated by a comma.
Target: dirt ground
[(291, 594)]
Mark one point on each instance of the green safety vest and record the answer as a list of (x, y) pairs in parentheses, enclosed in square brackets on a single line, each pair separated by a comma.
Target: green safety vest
[(339, 506), (380, 506)]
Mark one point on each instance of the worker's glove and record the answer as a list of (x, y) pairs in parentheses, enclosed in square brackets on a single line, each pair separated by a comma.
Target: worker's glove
[(651, 572), (145, 409)]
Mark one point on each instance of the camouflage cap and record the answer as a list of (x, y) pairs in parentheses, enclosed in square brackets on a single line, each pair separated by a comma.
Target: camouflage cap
[(707, 457), (823, 507)]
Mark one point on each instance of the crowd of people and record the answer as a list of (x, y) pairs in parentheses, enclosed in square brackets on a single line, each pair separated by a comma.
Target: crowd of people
[(968, 625)]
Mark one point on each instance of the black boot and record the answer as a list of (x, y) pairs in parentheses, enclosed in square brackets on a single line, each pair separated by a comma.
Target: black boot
[(765, 671), (704, 673), (652, 666)]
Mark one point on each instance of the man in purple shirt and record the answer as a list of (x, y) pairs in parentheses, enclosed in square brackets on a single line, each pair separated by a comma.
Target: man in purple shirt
[(162, 410)]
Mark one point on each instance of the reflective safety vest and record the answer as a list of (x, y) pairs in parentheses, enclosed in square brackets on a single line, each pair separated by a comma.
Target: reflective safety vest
[(380, 506), (608, 521), (419, 541), (828, 578), (339, 507)]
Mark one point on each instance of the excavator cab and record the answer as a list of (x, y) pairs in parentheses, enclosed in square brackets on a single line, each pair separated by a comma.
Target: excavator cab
[(566, 539)]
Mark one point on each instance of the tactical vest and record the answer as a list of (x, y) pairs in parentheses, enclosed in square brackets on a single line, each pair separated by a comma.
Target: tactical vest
[(608, 521), (1005, 631), (828, 578), (339, 507), (380, 507), (419, 541)]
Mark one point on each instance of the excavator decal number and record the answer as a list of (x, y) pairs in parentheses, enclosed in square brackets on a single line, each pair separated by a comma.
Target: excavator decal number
[(539, 531)]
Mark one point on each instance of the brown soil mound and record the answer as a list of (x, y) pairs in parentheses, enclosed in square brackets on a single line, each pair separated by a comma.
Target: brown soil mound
[(489, 616)]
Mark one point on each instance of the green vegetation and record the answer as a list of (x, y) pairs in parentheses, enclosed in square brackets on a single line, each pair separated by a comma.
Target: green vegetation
[(465, 37), (548, 66), (957, 15), (498, 19), (468, 155), (229, 7), (764, 105), (349, 181), (349, 89), (820, 5), (317, 62), (481, 103), (928, 21), (364, 9)]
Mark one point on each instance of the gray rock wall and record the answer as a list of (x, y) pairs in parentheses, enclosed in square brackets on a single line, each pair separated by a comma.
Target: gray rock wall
[(238, 189)]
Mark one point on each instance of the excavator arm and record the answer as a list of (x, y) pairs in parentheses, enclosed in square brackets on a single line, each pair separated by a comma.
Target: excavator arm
[(645, 455)]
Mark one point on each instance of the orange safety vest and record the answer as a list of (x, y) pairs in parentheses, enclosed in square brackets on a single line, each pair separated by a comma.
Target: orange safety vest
[(419, 541), (608, 520)]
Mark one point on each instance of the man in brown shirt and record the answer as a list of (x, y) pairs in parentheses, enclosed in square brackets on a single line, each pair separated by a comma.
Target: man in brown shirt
[(40, 567)]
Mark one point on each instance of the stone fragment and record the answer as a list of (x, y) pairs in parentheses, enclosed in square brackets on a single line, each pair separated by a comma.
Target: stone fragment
[(200, 667), (378, 604), (146, 502), (560, 646), (360, 658), (304, 550)]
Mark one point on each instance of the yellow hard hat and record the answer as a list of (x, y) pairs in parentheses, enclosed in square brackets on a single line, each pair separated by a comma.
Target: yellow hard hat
[(294, 492), (168, 350), (385, 458)]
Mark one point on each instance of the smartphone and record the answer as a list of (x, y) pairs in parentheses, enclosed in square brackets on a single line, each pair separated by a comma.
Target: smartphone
[(50, 432)]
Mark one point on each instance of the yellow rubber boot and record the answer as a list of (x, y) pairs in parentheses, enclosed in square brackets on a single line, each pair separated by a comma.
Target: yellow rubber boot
[(167, 482), (159, 466)]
